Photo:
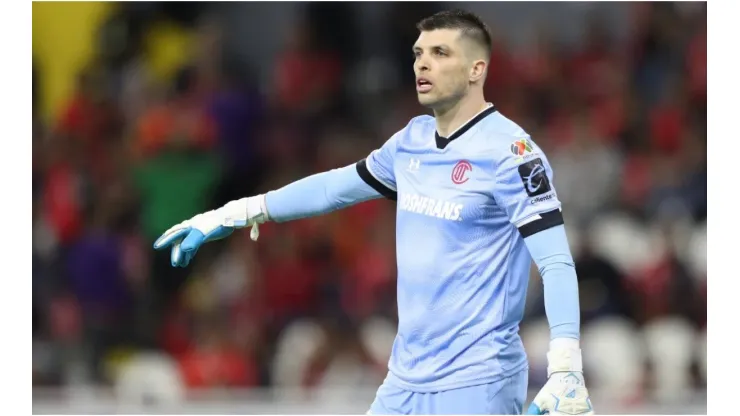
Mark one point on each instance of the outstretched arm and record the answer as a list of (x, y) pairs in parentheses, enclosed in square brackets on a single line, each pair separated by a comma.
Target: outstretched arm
[(370, 178), (318, 194)]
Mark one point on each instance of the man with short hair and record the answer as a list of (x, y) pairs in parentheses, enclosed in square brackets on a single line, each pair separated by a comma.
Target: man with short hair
[(475, 205)]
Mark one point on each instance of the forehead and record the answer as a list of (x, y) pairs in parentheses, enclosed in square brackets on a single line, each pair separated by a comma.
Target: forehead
[(438, 37)]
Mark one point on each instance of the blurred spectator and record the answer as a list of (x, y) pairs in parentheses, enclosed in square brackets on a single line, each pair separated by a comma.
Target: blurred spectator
[(290, 279), (213, 361), (590, 68), (179, 123), (90, 116), (308, 77), (587, 169), (601, 287), (665, 288), (65, 188), (237, 109)]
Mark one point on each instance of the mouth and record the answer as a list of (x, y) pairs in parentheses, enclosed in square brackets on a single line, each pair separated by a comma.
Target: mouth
[(423, 85)]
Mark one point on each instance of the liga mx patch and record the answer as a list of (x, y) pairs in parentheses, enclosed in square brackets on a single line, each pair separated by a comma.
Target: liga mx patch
[(520, 147), (534, 177)]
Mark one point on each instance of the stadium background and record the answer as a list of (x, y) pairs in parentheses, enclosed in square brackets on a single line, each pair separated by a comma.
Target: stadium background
[(148, 113)]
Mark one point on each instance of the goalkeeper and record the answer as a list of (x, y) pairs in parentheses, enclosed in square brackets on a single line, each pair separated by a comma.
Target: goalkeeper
[(475, 206)]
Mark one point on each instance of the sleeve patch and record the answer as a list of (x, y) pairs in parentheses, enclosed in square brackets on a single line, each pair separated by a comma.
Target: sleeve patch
[(534, 177)]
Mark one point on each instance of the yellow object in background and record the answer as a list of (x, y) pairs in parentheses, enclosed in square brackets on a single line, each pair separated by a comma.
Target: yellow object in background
[(64, 37), (63, 42), (167, 49), (115, 359)]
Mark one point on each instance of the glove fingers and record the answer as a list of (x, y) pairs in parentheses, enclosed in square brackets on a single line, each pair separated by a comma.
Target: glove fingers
[(194, 239), (169, 237), (534, 410), (188, 257), (181, 258), (540, 404), (546, 402), (176, 255)]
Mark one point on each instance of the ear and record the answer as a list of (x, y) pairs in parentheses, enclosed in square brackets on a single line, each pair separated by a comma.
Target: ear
[(478, 70)]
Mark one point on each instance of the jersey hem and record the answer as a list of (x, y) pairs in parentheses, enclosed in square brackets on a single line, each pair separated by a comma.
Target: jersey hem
[(394, 381)]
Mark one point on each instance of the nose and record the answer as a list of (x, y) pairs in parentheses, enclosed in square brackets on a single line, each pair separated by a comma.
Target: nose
[(422, 64)]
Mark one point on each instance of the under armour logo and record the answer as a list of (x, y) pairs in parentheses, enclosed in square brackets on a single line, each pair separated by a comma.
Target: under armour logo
[(414, 164)]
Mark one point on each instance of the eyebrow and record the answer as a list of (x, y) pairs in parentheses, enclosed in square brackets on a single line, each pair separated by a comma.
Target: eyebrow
[(442, 46)]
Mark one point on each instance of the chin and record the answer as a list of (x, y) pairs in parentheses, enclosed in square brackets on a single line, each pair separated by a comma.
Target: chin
[(427, 101)]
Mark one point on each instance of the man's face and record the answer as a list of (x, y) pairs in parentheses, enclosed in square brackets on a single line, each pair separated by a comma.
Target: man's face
[(441, 68)]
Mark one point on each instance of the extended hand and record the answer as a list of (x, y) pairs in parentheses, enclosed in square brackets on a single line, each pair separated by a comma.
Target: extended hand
[(186, 237)]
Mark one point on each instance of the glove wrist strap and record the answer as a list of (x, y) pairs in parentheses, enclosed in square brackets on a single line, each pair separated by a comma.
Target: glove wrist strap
[(256, 209), (564, 356), (263, 206), (244, 212)]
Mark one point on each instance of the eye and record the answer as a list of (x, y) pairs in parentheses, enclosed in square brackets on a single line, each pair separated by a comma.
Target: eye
[(440, 52)]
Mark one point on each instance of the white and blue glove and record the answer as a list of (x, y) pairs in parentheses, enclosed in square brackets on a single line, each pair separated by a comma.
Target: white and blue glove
[(187, 237), (565, 392)]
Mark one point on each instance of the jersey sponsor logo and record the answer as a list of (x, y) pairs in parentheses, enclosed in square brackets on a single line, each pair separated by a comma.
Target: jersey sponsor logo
[(430, 207), (542, 198), (534, 177), (460, 172)]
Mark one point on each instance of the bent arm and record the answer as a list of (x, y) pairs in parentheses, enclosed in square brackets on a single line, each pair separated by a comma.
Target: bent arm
[(319, 194)]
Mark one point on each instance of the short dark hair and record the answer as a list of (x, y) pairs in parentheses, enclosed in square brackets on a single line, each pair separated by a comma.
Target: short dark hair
[(468, 23)]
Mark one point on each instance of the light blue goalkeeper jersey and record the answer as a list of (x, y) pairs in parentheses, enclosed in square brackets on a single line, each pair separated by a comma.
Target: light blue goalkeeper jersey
[(464, 205)]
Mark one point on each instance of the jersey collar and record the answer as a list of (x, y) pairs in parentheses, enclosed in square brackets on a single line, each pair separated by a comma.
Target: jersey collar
[(442, 142)]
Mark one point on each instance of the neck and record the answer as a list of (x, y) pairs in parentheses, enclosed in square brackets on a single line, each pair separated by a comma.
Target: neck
[(453, 117)]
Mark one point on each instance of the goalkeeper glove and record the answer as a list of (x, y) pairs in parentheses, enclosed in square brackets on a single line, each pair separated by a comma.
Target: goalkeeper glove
[(565, 392), (187, 236)]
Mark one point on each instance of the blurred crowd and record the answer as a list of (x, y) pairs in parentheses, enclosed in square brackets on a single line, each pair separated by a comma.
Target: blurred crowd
[(312, 302)]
